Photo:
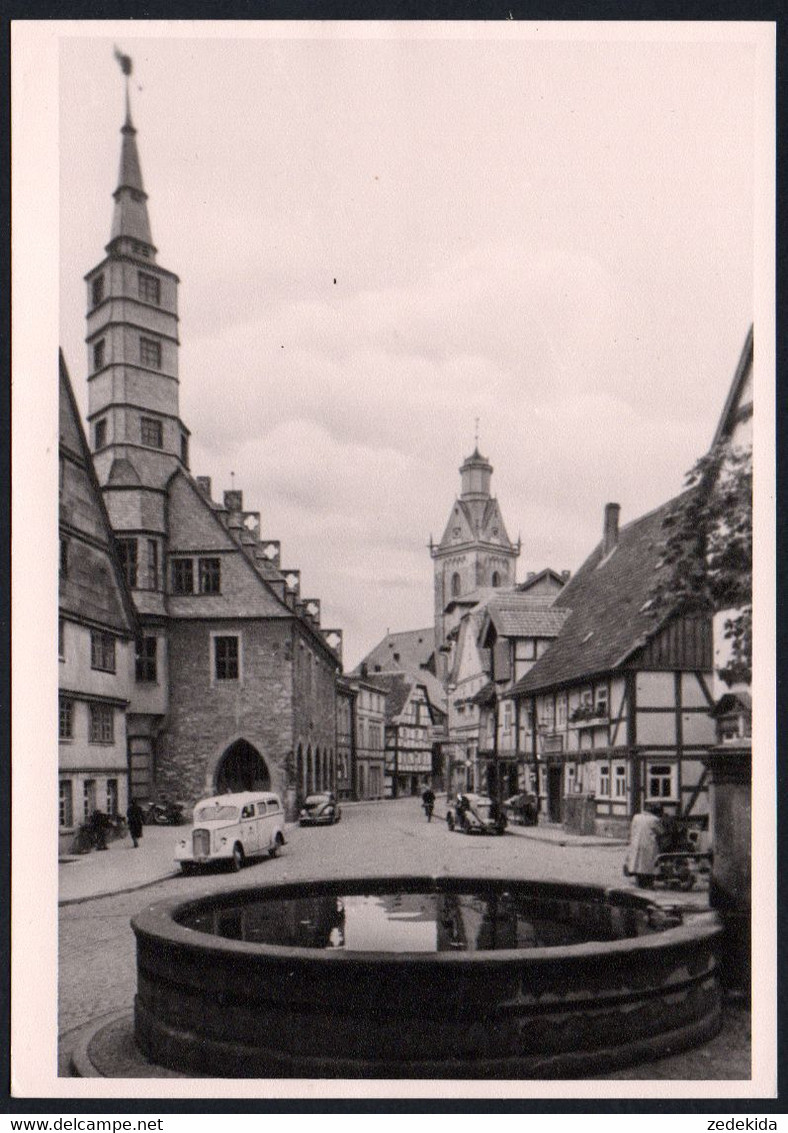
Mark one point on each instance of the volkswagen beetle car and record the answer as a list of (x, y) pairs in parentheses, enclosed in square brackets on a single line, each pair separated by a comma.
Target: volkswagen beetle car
[(320, 810), (476, 814)]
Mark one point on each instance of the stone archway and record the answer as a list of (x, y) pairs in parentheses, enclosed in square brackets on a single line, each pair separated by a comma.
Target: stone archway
[(241, 768)]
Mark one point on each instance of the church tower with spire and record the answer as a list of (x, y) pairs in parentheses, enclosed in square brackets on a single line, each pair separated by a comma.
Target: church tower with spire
[(475, 551), (234, 676), (136, 434)]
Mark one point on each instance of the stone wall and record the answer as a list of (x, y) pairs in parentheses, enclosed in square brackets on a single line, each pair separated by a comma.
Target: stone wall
[(206, 715)]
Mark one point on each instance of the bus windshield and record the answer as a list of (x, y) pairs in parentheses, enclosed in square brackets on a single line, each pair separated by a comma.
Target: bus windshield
[(214, 812)]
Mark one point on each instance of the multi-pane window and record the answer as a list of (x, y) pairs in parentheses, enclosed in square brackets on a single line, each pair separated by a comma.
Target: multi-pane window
[(63, 557), (151, 432), (127, 552), (226, 667), (560, 709), (210, 576), (150, 353), (145, 659), (66, 721), (153, 565), (66, 804), (98, 354), (102, 651), (97, 290), (604, 781), (182, 576), (100, 433), (660, 781), (601, 700), (88, 797), (620, 781), (140, 249), (149, 288), (112, 797), (102, 724)]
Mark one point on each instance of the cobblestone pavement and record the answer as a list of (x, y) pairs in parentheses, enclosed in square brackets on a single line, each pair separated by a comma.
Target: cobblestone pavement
[(96, 944), (96, 947)]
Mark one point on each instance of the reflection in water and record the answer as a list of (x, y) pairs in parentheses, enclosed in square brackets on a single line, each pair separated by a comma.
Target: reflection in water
[(425, 922)]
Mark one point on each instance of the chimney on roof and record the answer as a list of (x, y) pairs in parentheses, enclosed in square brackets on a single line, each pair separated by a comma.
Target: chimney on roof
[(531, 574), (566, 575), (234, 500), (610, 533), (204, 484)]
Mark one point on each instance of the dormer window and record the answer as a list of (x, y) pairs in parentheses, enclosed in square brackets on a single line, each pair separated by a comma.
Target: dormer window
[(149, 288), (97, 290)]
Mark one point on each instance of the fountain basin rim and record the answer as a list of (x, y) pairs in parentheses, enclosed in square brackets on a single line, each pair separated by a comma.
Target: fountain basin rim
[(158, 921)]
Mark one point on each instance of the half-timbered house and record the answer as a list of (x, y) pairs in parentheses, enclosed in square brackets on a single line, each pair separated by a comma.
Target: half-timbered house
[(616, 711)]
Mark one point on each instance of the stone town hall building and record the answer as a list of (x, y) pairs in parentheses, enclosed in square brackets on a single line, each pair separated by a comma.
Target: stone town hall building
[(234, 677)]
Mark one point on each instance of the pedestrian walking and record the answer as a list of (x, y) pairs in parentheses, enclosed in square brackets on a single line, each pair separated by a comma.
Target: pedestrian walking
[(135, 818), (641, 860), (428, 802)]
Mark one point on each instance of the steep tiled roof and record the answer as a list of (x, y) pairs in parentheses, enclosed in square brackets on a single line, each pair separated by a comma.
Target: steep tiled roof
[(397, 689), (509, 621), (607, 621), (410, 650)]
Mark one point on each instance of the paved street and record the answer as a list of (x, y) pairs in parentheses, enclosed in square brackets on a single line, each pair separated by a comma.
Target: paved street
[(97, 954)]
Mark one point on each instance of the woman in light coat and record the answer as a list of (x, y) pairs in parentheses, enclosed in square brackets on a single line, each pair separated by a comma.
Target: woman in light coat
[(643, 849)]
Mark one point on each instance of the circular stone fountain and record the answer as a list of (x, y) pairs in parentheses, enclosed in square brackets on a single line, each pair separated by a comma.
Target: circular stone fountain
[(421, 978)]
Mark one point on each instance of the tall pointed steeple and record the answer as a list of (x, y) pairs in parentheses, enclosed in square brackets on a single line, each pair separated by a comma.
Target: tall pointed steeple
[(130, 218), (136, 434)]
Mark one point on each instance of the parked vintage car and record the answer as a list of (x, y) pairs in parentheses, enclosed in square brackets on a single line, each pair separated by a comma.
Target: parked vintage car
[(320, 810), (476, 814), (231, 829), (522, 809)]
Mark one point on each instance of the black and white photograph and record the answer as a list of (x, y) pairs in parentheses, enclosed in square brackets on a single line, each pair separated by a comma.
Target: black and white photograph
[(404, 388)]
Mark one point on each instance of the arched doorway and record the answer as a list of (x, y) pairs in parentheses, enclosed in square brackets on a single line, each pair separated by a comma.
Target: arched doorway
[(242, 768)]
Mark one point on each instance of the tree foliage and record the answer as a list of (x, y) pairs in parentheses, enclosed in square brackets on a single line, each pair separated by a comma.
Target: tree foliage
[(706, 552)]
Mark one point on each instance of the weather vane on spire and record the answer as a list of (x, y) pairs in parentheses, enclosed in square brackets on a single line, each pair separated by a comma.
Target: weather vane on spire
[(126, 67), (476, 437)]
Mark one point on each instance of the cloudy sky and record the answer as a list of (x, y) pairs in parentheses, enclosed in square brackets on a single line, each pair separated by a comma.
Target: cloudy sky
[(382, 236)]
